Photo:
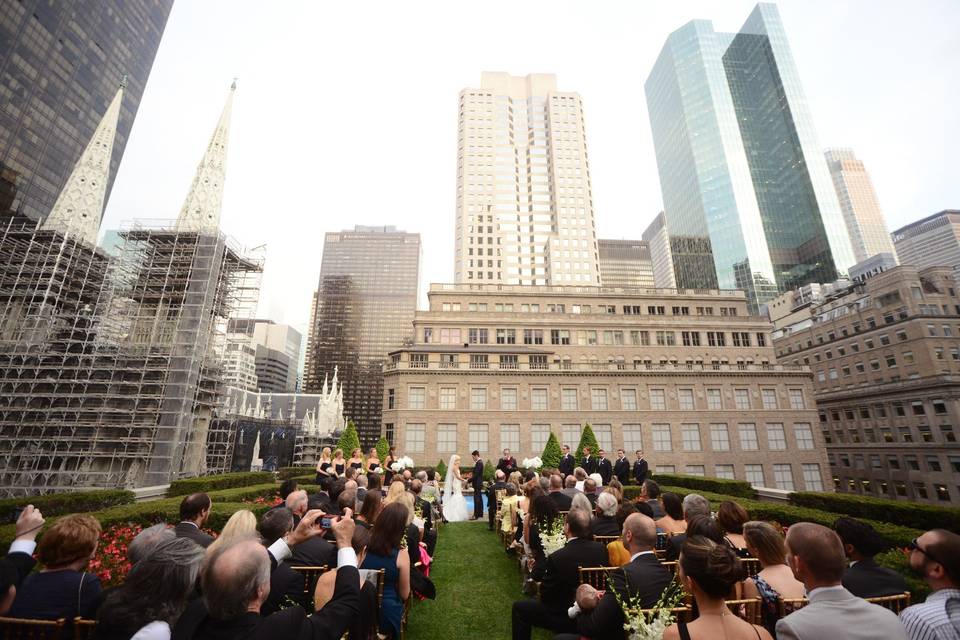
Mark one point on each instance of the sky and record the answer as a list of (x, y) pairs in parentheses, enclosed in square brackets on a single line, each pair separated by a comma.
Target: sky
[(346, 112)]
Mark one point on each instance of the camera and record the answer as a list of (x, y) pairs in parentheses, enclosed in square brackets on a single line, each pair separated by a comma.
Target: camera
[(327, 521)]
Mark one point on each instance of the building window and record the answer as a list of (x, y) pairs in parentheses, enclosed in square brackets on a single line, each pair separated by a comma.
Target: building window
[(796, 399), (559, 336), (598, 399), (633, 438), (658, 400), (691, 437), (943, 494), (568, 399), (769, 397), (508, 399), (640, 338), (448, 398), (776, 438), (933, 463), (391, 399), (783, 477), (748, 437), (661, 437), (539, 434), (478, 437), (666, 338), (532, 336), (754, 474), (415, 437), (538, 399), (446, 438), (509, 362), (478, 336), (804, 435), (685, 397), (665, 468), (920, 490), (714, 400), (416, 398), (719, 437), (479, 361), (695, 470), (604, 434), (690, 338), (812, 480), (628, 399), (506, 336), (478, 398), (538, 362), (724, 471), (571, 437), (716, 339), (510, 437), (742, 399)]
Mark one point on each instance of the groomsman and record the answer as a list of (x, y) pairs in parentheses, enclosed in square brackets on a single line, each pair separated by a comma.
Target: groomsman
[(621, 468), (589, 464), (477, 483), (604, 468), (640, 468), (567, 463)]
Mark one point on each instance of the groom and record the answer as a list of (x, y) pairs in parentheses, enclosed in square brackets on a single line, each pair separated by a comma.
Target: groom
[(477, 483)]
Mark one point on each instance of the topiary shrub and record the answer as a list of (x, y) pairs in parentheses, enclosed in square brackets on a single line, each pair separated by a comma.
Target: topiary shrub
[(56, 504), (716, 485), (488, 471), (213, 483), (383, 448), (921, 516), (349, 440), (587, 439), (441, 470), (551, 453)]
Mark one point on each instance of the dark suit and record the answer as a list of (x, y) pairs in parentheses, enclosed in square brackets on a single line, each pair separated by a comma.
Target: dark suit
[(477, 483), (867, 579), (314, 552), (562, 500), (592, 497), (589, 464), (192, 531), (640, 468), (605, 469), (675, 545), (286, 589), (567, 464), (507, 465), (558, 590), (605, 526), (621, 469), (492, 500), (21, 562), (292, 623)]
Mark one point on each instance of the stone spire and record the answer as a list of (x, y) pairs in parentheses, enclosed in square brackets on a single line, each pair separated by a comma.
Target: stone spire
[(201, 209), (79, 206)]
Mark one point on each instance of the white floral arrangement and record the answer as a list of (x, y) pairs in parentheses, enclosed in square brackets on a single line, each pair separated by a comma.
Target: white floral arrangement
[(649, 624), (553, 538), (532, 463), (401, 463)]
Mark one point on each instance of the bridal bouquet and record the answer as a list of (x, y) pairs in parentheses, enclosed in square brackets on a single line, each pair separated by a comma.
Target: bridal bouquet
[(532, 463), (553, 537), (649, 624), (401, 463)]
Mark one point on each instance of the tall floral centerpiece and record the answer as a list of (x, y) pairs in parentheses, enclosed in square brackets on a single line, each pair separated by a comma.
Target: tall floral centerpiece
[(534, 463), (552, 536), (649, 624), (401, 463)]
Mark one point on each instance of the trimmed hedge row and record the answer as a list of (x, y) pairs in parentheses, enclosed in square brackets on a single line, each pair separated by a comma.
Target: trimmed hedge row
[(923, 516), (55, 504), (212, 483), (285, 473), (737, 488)]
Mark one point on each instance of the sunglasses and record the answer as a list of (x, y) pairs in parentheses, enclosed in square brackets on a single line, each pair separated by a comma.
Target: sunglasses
[(914, 546)]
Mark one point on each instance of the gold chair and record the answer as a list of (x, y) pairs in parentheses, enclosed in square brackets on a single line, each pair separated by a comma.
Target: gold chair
[(596, 577), (83, 629), (671, 566), (748, 609), (28, 629), (896, 603), (605, 540), (751, 565), (786, 606), (310, 577), (680, 614)]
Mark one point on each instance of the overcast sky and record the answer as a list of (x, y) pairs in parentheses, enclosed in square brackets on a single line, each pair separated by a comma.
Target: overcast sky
[(346, 112)]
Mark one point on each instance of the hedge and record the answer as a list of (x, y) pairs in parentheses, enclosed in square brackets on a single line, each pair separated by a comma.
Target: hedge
[(737, 488), (212, 483), (923, 516), (286, 473), (56, 504)]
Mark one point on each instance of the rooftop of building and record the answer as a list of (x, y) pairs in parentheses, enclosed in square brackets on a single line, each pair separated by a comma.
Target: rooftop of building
[(531, 291), (947, 215)]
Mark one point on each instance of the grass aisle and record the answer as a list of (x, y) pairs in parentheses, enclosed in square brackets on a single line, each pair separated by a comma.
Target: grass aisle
[(477, 584)]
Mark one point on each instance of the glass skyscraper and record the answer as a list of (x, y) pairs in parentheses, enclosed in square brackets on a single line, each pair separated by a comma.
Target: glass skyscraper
[(748, 200), (60, 65)]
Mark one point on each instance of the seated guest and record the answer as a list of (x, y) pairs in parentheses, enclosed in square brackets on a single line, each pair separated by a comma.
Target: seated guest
[(560, 580), (286, 585), (562, 500), (775, 580), (364, 626), (414, 534), (194, 513), (605, 522), (615, 489), (570, 486), (18, 562), (62, 589), (242, 524), (423, 511), (147, 540), (936, 557), (384, 552), (590, 489), (643, 577), (815, 554), (731, 518), (286, 488), (709, 571), (694, 505), (580, 502), (372, 503), (397, 490), (580, 475), (649, 492), (673, 521), (618, 554), (362, 482), (542, 516), (508, 510), (865, 578), (153, 595), (375, 483), (499, 484)]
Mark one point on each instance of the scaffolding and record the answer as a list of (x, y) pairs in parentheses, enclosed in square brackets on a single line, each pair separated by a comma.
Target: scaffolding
[(111, 368)]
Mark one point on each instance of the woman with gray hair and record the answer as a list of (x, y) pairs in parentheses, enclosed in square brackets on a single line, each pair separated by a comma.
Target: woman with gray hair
[(580, 501), (153, 596)]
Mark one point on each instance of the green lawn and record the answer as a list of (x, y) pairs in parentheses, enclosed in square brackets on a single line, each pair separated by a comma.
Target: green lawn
[(476, 585)]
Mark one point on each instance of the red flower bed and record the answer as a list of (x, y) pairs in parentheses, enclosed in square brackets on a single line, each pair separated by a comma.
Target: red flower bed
[(272, 502), (110, 563)]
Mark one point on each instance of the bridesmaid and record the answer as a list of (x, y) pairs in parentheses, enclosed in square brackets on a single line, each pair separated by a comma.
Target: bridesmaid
[(388, 472), (373, 461), (323, 466), (356, 459), (339, 464)]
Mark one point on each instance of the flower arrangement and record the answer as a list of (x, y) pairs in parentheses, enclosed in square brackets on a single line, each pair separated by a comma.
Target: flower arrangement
[(401, 463), (110, 563), (552, 536), (532, 463), (271, 502), (649, 624)]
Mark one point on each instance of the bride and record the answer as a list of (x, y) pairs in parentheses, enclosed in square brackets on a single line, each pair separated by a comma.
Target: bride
[(454, 504)]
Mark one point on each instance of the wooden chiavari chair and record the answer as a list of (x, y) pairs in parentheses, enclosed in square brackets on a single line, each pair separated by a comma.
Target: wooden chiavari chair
[(596, 577), (605, 540), (895, 603), (310, 577), (749, 609), (786, 606), (83, 629), (751, 565), (29, 629)]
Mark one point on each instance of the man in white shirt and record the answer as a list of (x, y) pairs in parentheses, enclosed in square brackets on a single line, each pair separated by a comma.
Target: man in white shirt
[(936, 557)]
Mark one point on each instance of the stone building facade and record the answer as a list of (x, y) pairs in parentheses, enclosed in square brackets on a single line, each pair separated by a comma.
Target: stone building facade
[(886, 359), (689, 377)]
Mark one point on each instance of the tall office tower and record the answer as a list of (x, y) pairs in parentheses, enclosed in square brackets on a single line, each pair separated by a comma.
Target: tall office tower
[(661, 258), (363, 308), (858, 201), (625, 264), (524, 207), (746, 188), (61, 65), (932, 241), (277, 349)]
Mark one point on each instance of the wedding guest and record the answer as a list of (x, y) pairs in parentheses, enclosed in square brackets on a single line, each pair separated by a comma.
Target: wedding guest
[(649, 492), (863, 577), (709, 571), (373, 460), (384, 552), (604, 468), (364, 625), (570, 486), (580, 474), (775, 580), (694, 506), (731, 518), (640, 468), (242, 524), (580, 502), (338, 464), (508, 510), (356, 459), (375, 482), (299, 504), (590, 489), (314, 551), (567, 463), (542, 516), (324, 465), (370, 509), (616, 552), (19, 562), (194, 513), (499, 484), (815, 554), (516, 478), (153, 595), (61, 589), (672, 521), (395, 492), (362, 482), (621, 468), (615, 488), (935, 556), (351, 473), (422, 510), (604, 522), (559, 498), (286, 585), (147, 540)]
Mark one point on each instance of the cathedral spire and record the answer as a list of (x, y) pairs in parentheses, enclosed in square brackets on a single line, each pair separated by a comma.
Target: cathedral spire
[(201, 209), (79, 207)]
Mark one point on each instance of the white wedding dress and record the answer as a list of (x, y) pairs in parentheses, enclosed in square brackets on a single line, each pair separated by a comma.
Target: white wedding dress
[(454, 504)]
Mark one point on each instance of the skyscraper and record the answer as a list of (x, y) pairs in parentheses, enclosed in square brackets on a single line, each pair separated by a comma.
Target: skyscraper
[(931, 241), (62, 63), (524, 207), (746, 188), (861, 210), (363, 308), (625, 264), (661, 258)]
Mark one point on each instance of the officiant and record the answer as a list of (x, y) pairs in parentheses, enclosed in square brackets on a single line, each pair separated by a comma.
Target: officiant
[(507, 464)]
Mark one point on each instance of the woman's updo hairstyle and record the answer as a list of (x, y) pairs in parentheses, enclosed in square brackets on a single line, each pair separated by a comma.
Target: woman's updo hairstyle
[(714, 567)]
